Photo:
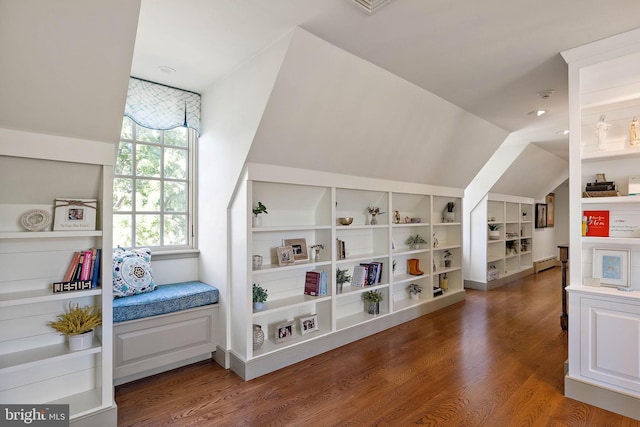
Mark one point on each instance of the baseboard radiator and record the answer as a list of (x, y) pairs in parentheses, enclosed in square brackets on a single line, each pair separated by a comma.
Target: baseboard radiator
[(544, 264)]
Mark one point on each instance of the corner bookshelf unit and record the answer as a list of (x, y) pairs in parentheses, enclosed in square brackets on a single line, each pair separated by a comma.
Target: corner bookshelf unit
[(507, 256), (309, 211), (36, 365), (604, 350)]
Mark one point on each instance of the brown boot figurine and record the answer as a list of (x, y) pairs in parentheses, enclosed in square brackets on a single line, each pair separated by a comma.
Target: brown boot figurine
[(414, 267)]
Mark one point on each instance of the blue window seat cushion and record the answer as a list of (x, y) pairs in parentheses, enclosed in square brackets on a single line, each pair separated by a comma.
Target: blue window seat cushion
[(164, 299)]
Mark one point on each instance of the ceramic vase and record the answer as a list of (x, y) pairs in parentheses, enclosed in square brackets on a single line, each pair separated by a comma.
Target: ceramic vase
[(374, 308), (81, 341), (258, 337)]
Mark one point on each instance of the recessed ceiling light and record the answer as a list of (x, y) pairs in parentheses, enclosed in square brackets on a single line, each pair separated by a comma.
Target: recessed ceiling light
[(165, 69), (563, 132), (537, 113)]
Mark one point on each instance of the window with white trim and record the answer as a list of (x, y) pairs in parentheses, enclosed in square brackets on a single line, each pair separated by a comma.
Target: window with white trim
[(153, 188)]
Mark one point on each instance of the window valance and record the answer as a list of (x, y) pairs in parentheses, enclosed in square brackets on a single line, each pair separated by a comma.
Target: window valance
[(161, 107)]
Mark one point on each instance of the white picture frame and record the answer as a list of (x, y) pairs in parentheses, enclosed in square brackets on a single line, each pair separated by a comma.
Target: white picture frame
[(285, 331), (308, 324), (612, 267), (71, 214)]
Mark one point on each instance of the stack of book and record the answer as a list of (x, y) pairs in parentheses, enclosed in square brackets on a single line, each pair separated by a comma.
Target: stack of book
[(315, 283), (83, 272), (366, 274), (601, 189), (340, 249)]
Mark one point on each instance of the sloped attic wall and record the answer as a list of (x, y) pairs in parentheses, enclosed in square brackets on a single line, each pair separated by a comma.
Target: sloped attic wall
[(66, 65), (332, 111), (534, 173)]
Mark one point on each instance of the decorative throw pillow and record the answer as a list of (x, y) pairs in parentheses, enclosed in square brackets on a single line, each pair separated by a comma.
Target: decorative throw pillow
[(132, 272)]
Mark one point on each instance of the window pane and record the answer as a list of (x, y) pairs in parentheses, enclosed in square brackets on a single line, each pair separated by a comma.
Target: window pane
[(177, 136), (175, 230), (124, 162), (147, 230), (175, 197), (148, 160), (175, 163), (127, 128), (147, 195), (148, 135), (122, 230), (122, 194)]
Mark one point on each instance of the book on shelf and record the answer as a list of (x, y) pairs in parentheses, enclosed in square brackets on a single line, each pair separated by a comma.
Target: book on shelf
[(624, 224), (71, 269), (591, 187), (374, 272), (95, 278), (78, 273), (316, 283), (597, 223), (360, 275), (340, 249), (86, 265)]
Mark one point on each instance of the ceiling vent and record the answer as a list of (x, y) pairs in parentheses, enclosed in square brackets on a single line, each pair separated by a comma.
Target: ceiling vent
[(370, 6)]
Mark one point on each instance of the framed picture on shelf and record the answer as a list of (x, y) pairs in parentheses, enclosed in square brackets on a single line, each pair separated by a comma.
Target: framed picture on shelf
[(541, 215), (612, 267), (299, 248), (551, 200), (308, 324), (285, 255), (74, 214), (285, 331)]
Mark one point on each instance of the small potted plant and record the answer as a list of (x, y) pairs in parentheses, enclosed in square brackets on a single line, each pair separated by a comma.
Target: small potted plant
[(372, 298), (415, 241), (78, 324), (257, 219), (449, 213), (316, 251), (259, 297), (494, 231), (341, 278), (414, 290)]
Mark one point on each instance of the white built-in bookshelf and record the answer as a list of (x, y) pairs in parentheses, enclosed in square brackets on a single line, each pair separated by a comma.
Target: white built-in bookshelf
[(309, 209), (509, 256), (604, 350), (36, 365)]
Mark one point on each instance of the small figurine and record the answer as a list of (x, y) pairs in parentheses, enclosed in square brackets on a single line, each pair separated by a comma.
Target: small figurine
[(634, 133), (601, 132), (396, 217)]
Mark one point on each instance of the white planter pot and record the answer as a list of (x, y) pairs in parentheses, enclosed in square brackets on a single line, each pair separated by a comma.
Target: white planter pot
[(256, 221), (259, 306), (81, 342), (494, 234), (414, 296), (449, 217)]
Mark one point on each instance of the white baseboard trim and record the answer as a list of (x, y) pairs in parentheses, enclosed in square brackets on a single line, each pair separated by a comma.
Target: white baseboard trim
[(605, 398)]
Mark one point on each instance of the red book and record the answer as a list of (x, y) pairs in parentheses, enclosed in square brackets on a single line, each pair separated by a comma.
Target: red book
[(597, 223), (312, 283), (72, 267), (86, 266)]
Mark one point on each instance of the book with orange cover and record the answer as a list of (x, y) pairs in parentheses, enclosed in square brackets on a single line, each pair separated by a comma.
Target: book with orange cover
[(72, 267)]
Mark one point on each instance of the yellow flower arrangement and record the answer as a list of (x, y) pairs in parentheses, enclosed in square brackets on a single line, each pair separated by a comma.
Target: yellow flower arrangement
[(77, 320)]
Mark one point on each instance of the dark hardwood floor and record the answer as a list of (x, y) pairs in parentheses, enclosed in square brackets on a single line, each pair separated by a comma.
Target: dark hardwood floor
[(495, 359)]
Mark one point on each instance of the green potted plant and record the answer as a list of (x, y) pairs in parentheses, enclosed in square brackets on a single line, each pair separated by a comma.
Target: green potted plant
[(372, 298), (415, 241), (494, 231), (257, 219), (341, 278), (414, 290), (78, 323), (259, 297), (449, 213)]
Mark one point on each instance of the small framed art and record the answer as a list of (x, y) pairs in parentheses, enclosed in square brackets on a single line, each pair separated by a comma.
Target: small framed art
[(285, 331), (75, 214), (285, 255), (541, 215), (612, 267), (299, 248), (308, 324)]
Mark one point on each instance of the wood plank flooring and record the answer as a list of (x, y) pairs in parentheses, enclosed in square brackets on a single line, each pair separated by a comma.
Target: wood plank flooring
[(495, 359)]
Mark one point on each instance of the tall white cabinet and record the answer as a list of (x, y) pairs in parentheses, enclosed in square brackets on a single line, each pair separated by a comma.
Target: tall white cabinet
[(36, 366), (496, 260), (306, 205), (604, 322)]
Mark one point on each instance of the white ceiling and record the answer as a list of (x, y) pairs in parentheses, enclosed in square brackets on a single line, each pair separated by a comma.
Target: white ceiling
[(489, 58)]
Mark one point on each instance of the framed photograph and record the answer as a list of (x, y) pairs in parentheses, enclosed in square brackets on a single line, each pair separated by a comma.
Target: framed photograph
[(285, 255), (551, 200), (299, 248), (75, 214), (612, 267), (541, 215), (285, 331), (600, 177), (308, 324)]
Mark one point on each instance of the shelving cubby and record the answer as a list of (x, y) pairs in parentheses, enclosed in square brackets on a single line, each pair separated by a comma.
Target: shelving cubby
[(36, 365), (305, 210)]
